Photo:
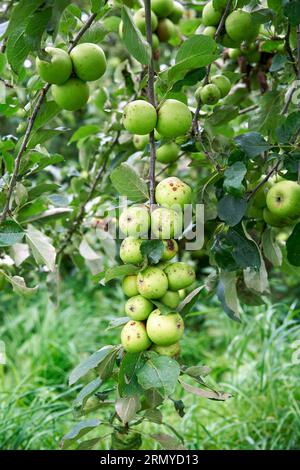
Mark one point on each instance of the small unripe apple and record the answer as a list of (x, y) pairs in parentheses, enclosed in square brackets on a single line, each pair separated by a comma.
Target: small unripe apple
[(227, 41), (172, 191), (210, 94), (180, 275), (182, 294), (152, 283), (274, 220), (174, 119), (162, 8), (89, 61), (165, 30), (170, 299), (223, 83), (138, 308), (283, 199), (130, 251), (170, 249), (58, 70), (71, 95), (234, 54), (210, 16), (177, 13), (155, 42), (164, 330), (140, 20), (140, 141), (134, 337), (166, 223), (167, 153), (139, 117), (239, 25), (171, 351), (135, 221), (129, 285), (210, 31)]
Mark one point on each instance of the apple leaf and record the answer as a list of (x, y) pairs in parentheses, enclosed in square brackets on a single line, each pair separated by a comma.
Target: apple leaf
[(159, 372), (128, 183), (10, 233), (252, 143), (153, 249), (134, 40), (293, 246), (231, 209)]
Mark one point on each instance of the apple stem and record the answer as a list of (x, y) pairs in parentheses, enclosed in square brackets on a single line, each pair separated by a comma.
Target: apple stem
[(152, 100)]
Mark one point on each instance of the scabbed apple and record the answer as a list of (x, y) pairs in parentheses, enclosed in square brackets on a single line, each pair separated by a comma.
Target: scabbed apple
[(165, 30), (134, 337), (170, 249), (173, 192), (283, 199), (170, 299), (130, 251), (180, 275), (139, 117), (223, 83), (135, 221), (58, 70), (152, 283), (129, 285), (164, 330), (138, 308), (209, 94), (171, 351), (210, 16), (239, 25), (166, 223), (89, 61), (167, 153), (71, 95), (162, 8), (177, 13), (174, 119), (140, 141), (140, 20), (210, 31)]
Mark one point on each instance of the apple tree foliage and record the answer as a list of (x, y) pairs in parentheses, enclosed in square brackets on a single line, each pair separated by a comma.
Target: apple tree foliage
[(62, 173)]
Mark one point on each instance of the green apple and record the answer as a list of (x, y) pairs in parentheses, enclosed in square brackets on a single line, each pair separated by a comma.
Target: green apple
[(129, 285), (89, 61), (171, 351), (254, 212), (239, 25), (210, 31), (140, 20), (234, 54), (71, 95), (173, 192), (174, 119), (177, 13), (209, 94), (180, 275), (155, 42), (165, 30), (283, 199), (167, 153), (138, 308), (135, 221), (274, 220), (130, 251), (139, 117), (170, 299), (166, 223), (182, 294), (210, 16), (164, 330), (223, 83), (140, 141), (253, 56), (170, 249), (162, 8), (58, 70), (198, 93), (152, 283), (134, 337)]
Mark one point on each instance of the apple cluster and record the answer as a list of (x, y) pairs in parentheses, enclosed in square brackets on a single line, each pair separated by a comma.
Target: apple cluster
[(218, 88), (68, 73), (155, 284)]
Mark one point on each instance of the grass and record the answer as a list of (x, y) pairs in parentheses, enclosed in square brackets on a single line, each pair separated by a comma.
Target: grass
[(253, 361)]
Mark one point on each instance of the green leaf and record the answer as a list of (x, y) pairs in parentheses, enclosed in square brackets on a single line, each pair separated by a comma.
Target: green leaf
[(188, 303), (128, 183), (168, 442), (120, 271), (90, 363), (210, 394), (83, 132), (271, 248), (292, 11), (87, 391), (96, 5), (48, 111), (245, 251), (227, 294), (153, 250), (10, 233), (19, 286), (134, 40), (231, 209), (293, 247), (233, 178), (128, 384), (222, 114), (159, 372), (252, 143), (127, 408), (288, 128), (42, 250), (278, 62), (193, 45), (78, 431), (262, 16)]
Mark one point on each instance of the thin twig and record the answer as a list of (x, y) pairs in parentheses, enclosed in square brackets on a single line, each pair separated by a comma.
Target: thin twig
[(248, 110), (36, 109), (264, 180), (151, 96), (6, 83), (289, 49)]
